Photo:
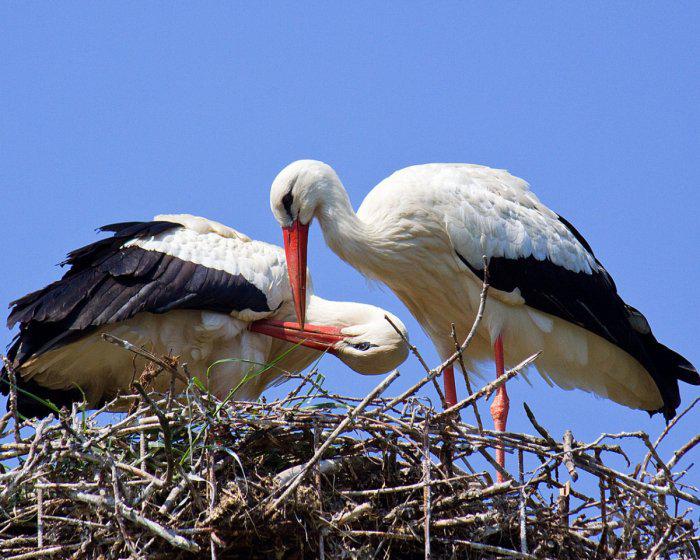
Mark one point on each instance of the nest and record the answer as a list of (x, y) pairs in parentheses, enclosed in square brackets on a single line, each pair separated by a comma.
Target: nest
[(316, 475)]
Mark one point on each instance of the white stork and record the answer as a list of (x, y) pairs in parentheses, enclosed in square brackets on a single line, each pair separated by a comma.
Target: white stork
[(424, 230), (187, 286)]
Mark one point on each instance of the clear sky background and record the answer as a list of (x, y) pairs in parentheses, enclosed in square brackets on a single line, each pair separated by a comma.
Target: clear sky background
[(114, 112)]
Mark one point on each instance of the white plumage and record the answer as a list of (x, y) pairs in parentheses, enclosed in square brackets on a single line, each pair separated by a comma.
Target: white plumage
[(219, 247), (482, 211), (424, 230), (193, 288), (477, 211)]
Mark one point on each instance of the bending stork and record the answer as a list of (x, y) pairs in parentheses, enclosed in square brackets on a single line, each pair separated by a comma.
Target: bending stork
[(424, 230), (184, 286)]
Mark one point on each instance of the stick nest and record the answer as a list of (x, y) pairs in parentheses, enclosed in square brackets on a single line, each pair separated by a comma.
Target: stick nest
[(319, 475)]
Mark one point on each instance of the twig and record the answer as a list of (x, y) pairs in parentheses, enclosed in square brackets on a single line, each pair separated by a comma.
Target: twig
[(475, 406), (487, 389), (166, 534), (48, 551), (165, 426), (430, 378), (212, 500), (403, 488), (569, 455), (427, 505), (433, 373), (317, 469), (117, 503), (144, 354), (378, 390), (477, 518), (12, 377), (39, 517), (666, 430), (678, 454), (411, 347), (352, 515), (544, 433), (662, 544), (477, 320), (521, 504)]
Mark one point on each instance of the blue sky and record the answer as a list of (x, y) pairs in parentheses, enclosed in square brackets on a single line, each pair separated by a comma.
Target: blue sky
[(114, 112)]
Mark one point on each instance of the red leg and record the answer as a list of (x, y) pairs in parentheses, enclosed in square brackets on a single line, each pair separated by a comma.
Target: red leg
[(448, 380), (500, 405)]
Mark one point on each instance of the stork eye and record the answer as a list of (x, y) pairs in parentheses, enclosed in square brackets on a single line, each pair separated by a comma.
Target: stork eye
[(287, 201), (364, 346)]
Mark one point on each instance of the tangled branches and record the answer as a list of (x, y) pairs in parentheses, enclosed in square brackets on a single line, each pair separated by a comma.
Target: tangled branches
[(320, 475)]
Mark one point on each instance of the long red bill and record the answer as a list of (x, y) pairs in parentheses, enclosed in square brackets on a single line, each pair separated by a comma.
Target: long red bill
[(296, 239), (312, 336)]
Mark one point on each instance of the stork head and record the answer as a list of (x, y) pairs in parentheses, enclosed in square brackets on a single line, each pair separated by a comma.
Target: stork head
[(299, 189), (370, 344), (360, 335), (297, 193)]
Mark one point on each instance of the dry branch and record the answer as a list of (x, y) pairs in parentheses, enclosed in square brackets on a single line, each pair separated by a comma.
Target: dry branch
[(189, 482)]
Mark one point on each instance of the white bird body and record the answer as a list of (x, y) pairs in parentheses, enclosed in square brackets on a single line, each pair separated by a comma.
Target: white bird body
[(201, 338), (477, 211), (424, 232), (188, 287)]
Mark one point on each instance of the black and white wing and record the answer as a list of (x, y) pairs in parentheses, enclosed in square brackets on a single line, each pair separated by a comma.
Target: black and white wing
[(173, 262), (537, 255)]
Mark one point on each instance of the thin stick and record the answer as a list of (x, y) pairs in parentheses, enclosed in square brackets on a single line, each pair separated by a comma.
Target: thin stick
[(544, 433), (661, 544), (603, 511), (477, 320), (13, 397), (475, 406), (487, 389), (403, 488), (317, 471), (39, 516), (569, 455), (411, 347), (427, 506), (378, 390), (433, 373), (142, 449), (521, 503), (167, 534), (212, 499), (678, 455), (48, 551), (144, 354), (667, 429), (165, 425), (117, 502)]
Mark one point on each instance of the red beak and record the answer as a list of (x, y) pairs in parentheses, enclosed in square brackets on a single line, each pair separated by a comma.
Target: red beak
[(312, 336), (296, 239)]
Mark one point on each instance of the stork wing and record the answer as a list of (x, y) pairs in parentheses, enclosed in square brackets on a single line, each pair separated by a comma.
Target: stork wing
[(536, 254), (149, 267)]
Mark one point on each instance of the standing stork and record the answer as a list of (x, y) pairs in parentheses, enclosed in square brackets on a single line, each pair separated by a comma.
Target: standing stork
[(424, 230), (186, 286)]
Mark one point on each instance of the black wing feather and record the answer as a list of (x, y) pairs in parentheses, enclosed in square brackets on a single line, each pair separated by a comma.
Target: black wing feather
[(107, 283), (591, 301)]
